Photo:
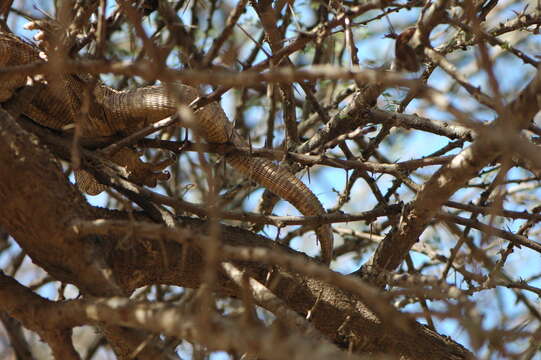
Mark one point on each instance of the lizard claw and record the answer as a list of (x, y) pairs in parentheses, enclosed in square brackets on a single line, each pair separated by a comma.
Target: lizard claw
[(161, 165), (163, 176), (156, 171), (140, 172), (51, 36)]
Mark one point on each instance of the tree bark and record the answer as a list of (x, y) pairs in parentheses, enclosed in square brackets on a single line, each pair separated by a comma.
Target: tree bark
[(39, 208)]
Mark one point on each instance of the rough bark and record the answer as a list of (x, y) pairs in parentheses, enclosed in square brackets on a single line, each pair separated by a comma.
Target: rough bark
[(39, 207)]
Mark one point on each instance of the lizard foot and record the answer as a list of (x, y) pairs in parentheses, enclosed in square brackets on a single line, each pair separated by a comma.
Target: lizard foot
[(137, 171), (53, 37)]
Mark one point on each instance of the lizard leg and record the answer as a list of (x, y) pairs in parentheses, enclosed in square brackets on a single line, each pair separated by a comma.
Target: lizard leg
[(136, 170)]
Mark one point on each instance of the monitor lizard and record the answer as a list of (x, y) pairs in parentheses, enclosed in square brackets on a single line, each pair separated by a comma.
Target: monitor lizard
[(56, 105)]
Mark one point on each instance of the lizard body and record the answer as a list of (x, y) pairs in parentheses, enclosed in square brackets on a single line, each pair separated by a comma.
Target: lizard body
[(56, 104)]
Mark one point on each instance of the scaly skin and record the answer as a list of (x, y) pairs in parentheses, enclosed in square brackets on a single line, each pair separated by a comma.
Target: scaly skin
[(123, 112)]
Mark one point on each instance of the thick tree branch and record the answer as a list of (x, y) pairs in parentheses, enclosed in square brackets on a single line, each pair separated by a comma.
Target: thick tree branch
[(337, 314)]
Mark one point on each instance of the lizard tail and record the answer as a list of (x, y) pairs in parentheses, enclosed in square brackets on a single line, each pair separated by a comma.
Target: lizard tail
[(154, 103), (288, 187)]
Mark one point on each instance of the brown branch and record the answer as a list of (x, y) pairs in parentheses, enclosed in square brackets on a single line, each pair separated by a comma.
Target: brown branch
[(451, 177), (42, 232)]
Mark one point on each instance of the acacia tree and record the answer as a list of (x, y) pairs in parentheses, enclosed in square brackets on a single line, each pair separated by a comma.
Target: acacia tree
[(413, 122)]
